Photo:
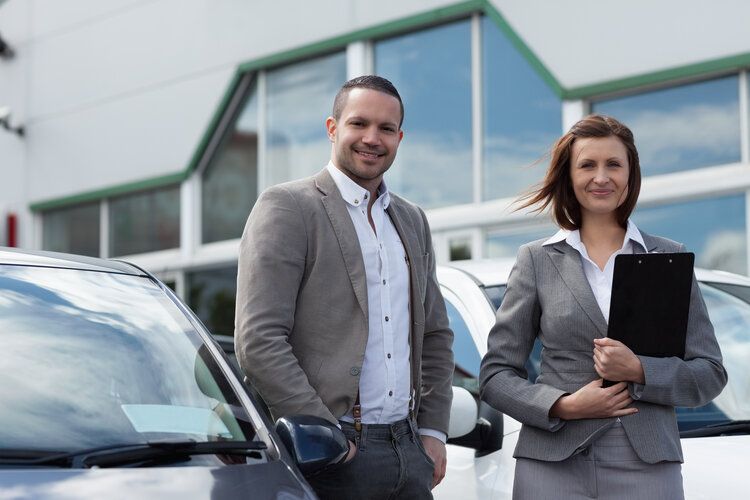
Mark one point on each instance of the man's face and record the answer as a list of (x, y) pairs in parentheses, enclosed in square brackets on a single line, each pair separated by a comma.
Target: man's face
[(366, 136)]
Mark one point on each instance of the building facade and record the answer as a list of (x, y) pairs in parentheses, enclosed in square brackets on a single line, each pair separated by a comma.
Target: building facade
[(151, 126)]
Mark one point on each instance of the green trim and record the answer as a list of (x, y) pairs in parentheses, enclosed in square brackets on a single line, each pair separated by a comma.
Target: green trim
[(214, 122), (99, 194), (705, 68), (525, 51)]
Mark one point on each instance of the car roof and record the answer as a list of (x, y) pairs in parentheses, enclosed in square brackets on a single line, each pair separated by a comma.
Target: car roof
[(493, 272), (19, 257)]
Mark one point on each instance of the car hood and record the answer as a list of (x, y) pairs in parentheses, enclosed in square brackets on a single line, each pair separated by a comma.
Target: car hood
[(716, 467), (261, 481)]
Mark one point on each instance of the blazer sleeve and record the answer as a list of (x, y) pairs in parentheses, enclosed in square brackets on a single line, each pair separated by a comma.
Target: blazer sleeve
[(270, 269), (503, 379), (695, 380), (437, 353)]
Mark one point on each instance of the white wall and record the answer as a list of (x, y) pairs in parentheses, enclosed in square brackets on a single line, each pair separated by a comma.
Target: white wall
[(122, 90)]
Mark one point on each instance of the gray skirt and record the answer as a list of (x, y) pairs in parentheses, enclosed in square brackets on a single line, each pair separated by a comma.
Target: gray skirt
[(608, 468)]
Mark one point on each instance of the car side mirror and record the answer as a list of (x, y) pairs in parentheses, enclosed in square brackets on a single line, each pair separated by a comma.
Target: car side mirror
[(464, 413), (313, 442)]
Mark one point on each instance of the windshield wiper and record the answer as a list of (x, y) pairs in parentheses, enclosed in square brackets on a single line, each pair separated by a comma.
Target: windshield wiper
[(724, 428), (122, 454)]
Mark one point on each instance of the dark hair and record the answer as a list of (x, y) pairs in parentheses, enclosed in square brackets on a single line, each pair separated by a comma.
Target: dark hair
[(371, 82), (557, 189)]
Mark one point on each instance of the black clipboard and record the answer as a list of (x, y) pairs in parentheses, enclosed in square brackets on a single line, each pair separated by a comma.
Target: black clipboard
[(650, 303)]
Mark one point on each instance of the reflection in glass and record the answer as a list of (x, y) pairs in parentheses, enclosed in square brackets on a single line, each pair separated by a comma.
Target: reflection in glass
[(72, 230), (211, 295), (145, 222), (432, 71), (96, 358), (522, 118), (299, 99), (682, 128), (730, 317), (230, 182), (505, 243), (465, 352), (713, 228)]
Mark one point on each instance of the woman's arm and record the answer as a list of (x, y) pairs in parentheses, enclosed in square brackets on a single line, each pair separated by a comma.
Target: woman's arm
[(503, 379)]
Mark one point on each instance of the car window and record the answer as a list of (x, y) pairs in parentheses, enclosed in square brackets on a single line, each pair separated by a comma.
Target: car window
[(94, 358), (730, 316), (465, 351)]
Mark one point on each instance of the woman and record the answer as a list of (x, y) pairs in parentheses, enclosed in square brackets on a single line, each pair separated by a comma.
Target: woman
[(580, 440)]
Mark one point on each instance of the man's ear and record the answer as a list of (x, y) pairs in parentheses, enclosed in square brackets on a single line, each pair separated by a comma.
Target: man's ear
[(331, 128)]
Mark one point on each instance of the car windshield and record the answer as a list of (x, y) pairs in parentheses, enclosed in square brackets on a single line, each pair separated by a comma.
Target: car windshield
[(96, 359), (729, 310)]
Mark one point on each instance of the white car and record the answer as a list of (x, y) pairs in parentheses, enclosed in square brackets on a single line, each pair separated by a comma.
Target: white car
[(715, 437)]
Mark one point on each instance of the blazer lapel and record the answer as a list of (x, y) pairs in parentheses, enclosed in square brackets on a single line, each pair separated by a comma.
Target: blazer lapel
[(568, 263), (341, 221)]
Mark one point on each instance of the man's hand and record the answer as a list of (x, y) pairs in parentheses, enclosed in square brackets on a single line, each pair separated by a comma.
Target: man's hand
[(352, 452), (436, 451), (614, 361)]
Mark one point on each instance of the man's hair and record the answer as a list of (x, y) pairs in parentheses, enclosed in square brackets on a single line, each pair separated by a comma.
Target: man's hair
[(557, 188), (371, 82)]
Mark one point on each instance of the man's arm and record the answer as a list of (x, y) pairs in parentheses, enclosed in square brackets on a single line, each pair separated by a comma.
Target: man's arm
[(270, 269), (437, 353)]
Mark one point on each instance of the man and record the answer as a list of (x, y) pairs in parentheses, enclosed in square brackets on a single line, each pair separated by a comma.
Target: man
[(339, 313)]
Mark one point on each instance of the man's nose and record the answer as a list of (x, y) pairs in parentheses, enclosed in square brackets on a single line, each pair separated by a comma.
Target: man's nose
[(371, 136)]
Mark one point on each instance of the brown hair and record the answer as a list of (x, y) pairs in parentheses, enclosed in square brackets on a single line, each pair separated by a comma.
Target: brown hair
[(557, 189), (371, 82)]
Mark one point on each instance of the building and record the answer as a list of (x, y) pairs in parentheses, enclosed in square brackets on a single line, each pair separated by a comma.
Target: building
[(152, 125)]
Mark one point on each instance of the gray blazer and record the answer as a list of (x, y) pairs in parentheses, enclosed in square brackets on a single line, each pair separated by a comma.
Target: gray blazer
[(549, 297), (301, 321)]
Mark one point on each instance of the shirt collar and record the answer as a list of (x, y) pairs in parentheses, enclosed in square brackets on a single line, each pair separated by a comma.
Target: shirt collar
[(573, 238), (353, 193)]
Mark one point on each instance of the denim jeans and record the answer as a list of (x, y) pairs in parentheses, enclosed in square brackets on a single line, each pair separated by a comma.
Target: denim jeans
[(390, 463)]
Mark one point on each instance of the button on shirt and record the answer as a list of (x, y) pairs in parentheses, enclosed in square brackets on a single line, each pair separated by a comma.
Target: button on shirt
[(600, 280), (385, 380)]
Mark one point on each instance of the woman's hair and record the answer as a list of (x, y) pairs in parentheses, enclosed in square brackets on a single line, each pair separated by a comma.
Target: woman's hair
[(557, 189)]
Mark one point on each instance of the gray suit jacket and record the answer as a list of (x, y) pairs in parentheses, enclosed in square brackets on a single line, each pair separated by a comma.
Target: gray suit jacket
[(549, 297), (301, 324)]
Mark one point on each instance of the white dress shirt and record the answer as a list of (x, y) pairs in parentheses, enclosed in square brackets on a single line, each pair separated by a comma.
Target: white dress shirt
[(600, 280), (385, 381)]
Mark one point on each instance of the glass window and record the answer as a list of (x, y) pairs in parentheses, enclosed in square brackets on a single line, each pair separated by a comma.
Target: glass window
[(505, 243), (299, 99), (145, 222), (713, 228), (432, 71), (522, 118), (72, 230), (459, 248), (230, 182), (682, 128), (211, 295)]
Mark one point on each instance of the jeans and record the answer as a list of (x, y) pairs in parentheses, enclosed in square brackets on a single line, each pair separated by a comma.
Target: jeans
[(390, 463)]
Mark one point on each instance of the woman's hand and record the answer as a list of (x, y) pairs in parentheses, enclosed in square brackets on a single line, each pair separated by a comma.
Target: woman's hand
[(593, 401), (613, 360)]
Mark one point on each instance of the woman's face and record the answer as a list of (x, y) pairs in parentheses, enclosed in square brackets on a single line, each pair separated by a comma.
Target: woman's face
[(599, 172)]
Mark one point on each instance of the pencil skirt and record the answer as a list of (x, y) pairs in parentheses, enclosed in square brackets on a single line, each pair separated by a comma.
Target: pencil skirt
[(607, 469)]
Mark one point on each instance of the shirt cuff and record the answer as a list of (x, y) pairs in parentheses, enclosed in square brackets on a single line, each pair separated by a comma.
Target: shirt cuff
[(636, 390), (433, 433)]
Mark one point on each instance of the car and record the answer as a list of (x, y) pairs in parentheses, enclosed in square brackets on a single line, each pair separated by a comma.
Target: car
[(715, 437), (111, 387)]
